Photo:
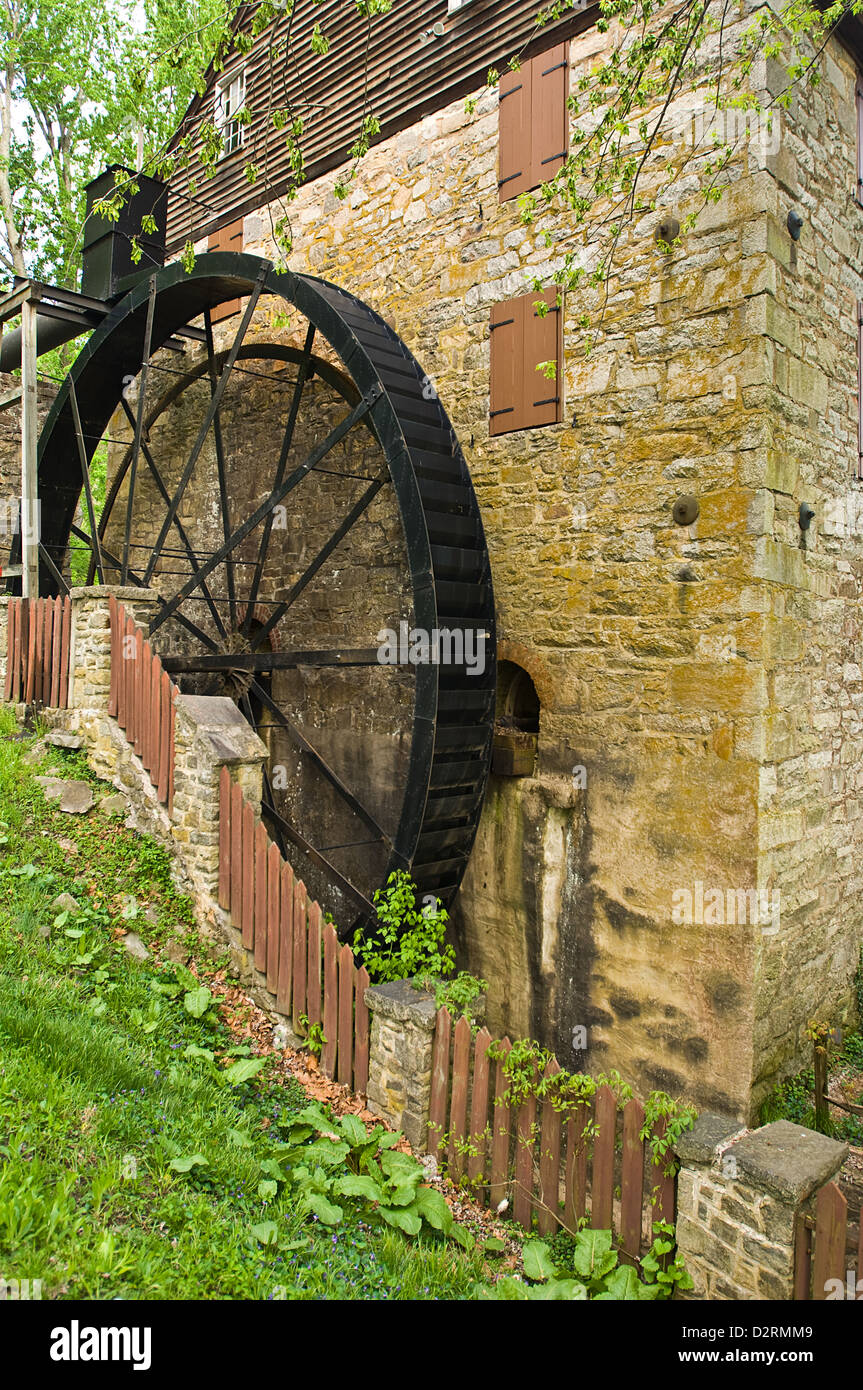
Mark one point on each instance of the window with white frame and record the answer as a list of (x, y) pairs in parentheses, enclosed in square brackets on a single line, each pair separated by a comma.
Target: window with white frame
[(230, 100)]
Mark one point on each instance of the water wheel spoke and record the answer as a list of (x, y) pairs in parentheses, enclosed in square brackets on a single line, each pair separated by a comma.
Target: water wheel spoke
[(268, 804), (198, 445), (53, 570), (320, 451), (88, 491), (139, 428), (181, 530), (323, 554), (337, 658), (137, 580), (224, 504), (285, 450), (300, 741), (318, 857)]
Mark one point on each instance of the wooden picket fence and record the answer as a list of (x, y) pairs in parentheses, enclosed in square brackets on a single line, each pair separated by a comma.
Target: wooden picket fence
[(306, 970), (37, 651), (546, 1162), (141, 699), (821, 1250)]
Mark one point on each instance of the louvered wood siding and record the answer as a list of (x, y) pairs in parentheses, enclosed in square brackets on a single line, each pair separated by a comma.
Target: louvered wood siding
[(407, 80)]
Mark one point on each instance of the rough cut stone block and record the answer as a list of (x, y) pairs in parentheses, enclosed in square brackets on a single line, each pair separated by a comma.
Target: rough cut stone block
[(401, 1002), (760, 1180), (708, 1135), (788, 1160)]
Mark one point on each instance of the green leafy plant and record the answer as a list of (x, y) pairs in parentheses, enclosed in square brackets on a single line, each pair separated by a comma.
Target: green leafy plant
[(327, 1160), (458, 995), (663, 1138), (406, 940), (313, 1035), (658, 1269), (407, 943), (590, 1269), (526, 1067)]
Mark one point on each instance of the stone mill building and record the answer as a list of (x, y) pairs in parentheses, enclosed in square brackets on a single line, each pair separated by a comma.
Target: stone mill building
[(665, 878)]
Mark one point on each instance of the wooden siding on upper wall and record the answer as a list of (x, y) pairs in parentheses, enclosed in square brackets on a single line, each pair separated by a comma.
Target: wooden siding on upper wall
[(406, 80)]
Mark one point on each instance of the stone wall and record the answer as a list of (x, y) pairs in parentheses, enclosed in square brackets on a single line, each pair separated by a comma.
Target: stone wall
[(739, 1197), (699, 729), (400, 1057), (616, 613), (809, 583), (703, 677)]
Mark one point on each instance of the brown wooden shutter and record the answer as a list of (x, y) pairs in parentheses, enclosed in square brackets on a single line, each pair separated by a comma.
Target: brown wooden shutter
[(542, 343), (549, 115), (533, 124), (227, 238), (520, 397), (505, 374), (515, 166)]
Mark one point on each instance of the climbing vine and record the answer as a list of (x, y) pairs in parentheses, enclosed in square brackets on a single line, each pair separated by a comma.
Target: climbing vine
[(663, 1139)]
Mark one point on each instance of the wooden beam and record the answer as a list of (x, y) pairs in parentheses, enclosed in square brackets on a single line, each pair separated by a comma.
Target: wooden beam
[(29, 435)]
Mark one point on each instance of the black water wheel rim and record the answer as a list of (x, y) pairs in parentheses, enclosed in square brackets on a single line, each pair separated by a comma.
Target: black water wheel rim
[(386, 392)]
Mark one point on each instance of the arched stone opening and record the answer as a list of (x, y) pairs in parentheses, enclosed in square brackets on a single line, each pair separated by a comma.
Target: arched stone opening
[(516, 725)]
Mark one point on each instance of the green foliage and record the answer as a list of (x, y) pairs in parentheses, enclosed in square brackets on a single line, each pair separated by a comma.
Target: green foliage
[(135, 1136), (589, 1269), (79, 553), (83, 78), (327, 1161), (658, 1268), (678, 1119), (794, 1098), (314, 1035), (458, 995), (407, 943), (406, 940), (525, 1066)]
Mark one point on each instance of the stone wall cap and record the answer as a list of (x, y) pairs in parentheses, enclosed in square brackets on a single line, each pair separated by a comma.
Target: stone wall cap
[(400, 1001), (709, 1136), (788, 1159), (123, 593), (218, 722)]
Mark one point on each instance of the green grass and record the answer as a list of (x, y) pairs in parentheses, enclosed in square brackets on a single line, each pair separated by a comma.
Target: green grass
[(99, 1092)]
